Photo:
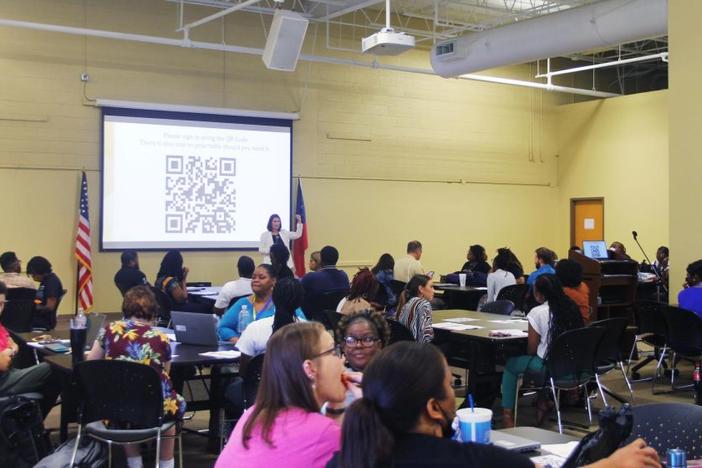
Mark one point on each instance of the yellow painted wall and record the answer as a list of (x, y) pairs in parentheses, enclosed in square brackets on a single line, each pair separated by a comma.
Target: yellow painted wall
[(419, 127), (617, 149), (685, 124)]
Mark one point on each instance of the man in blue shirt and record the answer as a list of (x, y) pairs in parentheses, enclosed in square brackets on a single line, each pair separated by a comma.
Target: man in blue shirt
[(690, 297), (544, 260), (328, 278)]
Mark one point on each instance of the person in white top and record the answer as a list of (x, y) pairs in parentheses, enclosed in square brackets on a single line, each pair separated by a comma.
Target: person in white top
[(499, 277), (12, 272), (237, 288), (405, 268), (556, 315), (287, 298), (274, 234)]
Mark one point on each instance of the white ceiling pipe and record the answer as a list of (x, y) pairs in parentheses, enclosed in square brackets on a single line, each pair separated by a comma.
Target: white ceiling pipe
[(591, 26), (645, 58), (304, 57), (219, 14)]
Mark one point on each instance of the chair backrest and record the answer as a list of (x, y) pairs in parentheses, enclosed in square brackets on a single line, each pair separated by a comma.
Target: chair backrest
[(332, 319), (198, 284), (314, 305), (684, 331), (397, 287), (669, 425), (19, 310), (399, 332), (120, 391), (234, 299), (251, 379), (165, 305), (609, 350), (515, 293), (501, 307), (571, 358), (650, 317)]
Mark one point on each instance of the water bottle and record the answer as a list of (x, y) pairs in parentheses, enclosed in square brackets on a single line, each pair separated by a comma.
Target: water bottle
[(697, 384), (244, 318), (78, 336), (80, 320)]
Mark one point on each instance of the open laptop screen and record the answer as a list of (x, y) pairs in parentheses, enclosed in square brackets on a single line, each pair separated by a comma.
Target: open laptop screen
[(595, 249)]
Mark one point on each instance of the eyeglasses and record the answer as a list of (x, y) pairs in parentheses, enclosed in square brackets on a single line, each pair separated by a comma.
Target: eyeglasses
[(365, 342), (336, 351)]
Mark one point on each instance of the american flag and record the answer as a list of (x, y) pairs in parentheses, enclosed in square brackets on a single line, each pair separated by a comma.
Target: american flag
[(85, 265), (301, 244)]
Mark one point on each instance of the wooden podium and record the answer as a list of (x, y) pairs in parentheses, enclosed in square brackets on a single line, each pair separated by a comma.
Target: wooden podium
[(613, 281)]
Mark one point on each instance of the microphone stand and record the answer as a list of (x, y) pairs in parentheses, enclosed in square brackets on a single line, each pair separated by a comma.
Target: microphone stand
[(655, 270)]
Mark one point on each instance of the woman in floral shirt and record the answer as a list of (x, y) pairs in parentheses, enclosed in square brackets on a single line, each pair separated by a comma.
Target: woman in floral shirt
[(133, 339)]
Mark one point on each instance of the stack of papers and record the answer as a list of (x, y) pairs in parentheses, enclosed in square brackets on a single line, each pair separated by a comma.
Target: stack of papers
[(227, 354), (509, 332), (562, 450), (461, 319), (455, 326)]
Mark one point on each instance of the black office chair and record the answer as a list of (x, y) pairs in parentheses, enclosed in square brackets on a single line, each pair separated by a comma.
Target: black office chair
[(669, 425), (234, 299), (165, 305), (684, 337), (252, 378), (397, 287), (241, 394), (570, 365), (501, 307), (609, 355), (651, 330), (515, 293), (315, 305), (19, 310), (399, 332), (331, 319), (124, 393)]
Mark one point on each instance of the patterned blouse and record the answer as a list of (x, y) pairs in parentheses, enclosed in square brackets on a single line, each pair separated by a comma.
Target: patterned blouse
[(416, 315), (132, 341)]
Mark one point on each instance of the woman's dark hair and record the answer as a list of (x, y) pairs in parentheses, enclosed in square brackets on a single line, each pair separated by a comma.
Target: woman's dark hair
[(695, 268), (284, 383), (397, 384), (502, 260), (513, 265), (411, 290), (570, 273), (374, 318), (564, 314), (478, 253), (38, 266), (385, 262), (269, 269), (139, 302), (171, 265), (279, 254), (663, 249), (363, 285), (288, 295), (269, 226)]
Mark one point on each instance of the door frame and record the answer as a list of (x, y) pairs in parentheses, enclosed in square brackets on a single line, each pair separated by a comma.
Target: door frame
[(573, 201)]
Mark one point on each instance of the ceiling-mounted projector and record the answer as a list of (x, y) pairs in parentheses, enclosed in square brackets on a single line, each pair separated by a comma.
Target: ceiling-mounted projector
[(387, 42)]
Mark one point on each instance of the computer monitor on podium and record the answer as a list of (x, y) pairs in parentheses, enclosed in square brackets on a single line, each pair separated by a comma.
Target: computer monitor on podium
[(597, 250)]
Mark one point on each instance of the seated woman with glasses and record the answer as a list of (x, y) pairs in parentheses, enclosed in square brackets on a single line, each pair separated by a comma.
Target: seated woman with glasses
[(134, 339), (361, 335), (302, 371)]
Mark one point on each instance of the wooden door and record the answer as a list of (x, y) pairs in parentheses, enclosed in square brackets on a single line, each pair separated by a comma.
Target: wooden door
[(586, 220)]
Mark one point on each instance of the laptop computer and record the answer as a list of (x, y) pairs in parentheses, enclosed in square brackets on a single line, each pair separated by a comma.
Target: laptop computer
[(195, 328), (512, 442), (597, 250)]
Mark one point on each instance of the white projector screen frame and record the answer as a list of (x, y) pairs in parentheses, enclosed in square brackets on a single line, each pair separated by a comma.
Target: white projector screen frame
[(145, 159)]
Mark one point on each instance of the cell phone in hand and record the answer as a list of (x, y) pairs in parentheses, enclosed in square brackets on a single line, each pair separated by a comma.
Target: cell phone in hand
[(430, 274)]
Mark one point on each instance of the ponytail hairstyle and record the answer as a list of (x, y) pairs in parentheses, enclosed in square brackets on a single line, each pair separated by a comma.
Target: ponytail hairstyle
[(288, 295), (364, 285), (411, 290), (564, 314), (397, 384)]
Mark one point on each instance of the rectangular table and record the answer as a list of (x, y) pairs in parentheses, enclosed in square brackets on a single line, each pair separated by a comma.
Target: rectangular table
[(477, 351), (183, 357), (204, 294), (543, 436)]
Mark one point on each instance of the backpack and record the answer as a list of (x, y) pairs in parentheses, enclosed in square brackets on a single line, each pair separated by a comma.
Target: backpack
[(91, 454), (23, 440)]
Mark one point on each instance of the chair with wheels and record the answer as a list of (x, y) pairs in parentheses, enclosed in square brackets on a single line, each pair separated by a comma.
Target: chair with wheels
[(651, 330), (241, 394), (501, 307), (19, 310), (669, 425), (684, 338), (570, 365), (165, 306), (609, 355), (515, 293), (127, 394)]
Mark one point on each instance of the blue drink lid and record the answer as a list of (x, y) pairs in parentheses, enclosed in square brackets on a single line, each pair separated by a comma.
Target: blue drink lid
[(677, 458)]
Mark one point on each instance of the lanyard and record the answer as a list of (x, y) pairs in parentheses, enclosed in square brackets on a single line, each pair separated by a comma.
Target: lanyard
[(265, 306)]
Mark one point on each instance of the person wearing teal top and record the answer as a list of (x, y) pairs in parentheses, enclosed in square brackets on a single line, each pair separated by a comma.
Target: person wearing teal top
[(259, 304)]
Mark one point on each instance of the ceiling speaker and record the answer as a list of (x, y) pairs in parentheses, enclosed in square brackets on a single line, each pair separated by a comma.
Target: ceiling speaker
[(285, 40)]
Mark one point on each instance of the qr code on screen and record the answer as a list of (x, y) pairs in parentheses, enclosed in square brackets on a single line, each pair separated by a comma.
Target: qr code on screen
[(200, 195)]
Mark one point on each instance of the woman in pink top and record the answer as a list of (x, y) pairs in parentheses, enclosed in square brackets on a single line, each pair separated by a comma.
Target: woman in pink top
[(303, 369)]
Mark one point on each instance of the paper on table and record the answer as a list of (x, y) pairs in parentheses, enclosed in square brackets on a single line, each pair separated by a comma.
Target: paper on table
[(508, 332), (461, 319), (455, 326), (228, 354), (562, 450), (552, 461), (38, 345)]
